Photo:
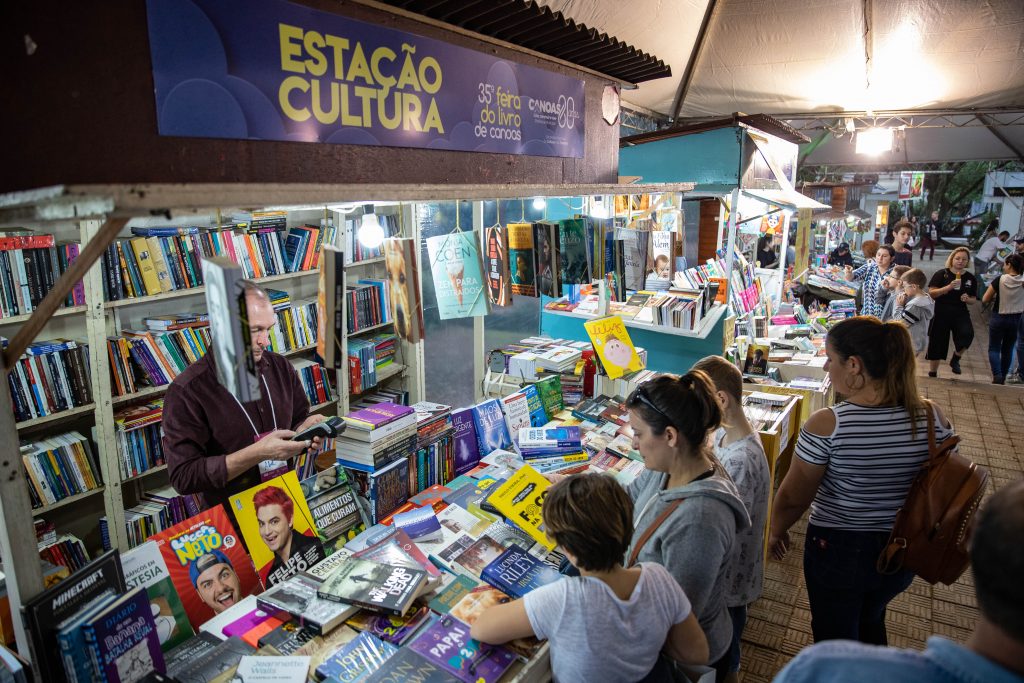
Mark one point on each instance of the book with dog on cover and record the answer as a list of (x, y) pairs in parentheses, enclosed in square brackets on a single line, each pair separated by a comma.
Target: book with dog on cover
[(400, 260)]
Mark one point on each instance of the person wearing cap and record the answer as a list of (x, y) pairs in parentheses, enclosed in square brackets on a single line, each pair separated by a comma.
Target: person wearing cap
[(1018, 244), (215, 581), (841, 256)]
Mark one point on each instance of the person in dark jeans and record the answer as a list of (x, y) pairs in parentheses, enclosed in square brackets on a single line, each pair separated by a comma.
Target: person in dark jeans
[(930, 235), (853, 465), (1007, 297)]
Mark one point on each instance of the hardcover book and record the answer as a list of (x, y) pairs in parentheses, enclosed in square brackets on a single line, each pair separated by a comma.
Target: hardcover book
[(613, 346), (491, 431), (521, 259), (446, 642), (499, 291), (379, 587), (298, 597), (520, 500), (660, 260), (458, 275), (517, 572), (207, 564), (363, 655), (400, 260), (278, 528), (144, 567), (123, 641)]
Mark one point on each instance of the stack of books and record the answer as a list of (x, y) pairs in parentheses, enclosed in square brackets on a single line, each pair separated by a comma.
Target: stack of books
[(65, 550), (50, 377), (316, 381), (157, 510), (376, 436), (60, 466), (30, 263), (138, 433)]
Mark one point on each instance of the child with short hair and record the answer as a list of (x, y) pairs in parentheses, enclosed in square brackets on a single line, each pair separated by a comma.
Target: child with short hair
[(886, 295), (584, 618), (914, 307), (738, 447)]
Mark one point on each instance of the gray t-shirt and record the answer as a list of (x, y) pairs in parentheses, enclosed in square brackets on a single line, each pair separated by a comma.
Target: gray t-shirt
[(746, 463), (595, 636)]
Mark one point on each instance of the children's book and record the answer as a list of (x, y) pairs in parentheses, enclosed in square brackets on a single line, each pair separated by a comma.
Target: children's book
[(521, 258), (613, 346), (278, 528), (207, 563), (298, 597), (122, 640), (491, 431), (467, 448), (379, 587), (499, 291), (473, 604), (332, 502), (363, 655), (446, 643), (400, 260), (517, 572), (144, 567), (457, 273), (257, 669), (660, 260), (520, 499)]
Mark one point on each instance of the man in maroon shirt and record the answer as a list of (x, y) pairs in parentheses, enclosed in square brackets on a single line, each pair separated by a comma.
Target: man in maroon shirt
[(213, 443)]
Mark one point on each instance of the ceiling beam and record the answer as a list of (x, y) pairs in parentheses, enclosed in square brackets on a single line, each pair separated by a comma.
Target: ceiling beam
[(992, 128), (691, 63)]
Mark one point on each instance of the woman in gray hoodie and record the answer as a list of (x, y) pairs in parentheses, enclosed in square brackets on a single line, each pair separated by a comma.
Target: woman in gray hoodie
[(686, 509), (1007, 295)]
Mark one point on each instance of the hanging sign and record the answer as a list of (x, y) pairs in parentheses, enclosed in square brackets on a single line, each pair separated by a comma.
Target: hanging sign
[(458, 275), (911, 185), (274, 70)]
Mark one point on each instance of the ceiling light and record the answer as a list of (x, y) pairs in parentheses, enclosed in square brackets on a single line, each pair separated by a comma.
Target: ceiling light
[(598, 208), (874, 141), (539, 203), (371, 234)]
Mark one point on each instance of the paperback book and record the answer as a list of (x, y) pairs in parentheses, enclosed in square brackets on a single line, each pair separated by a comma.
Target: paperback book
[(472, 605), (516, 572), (229, 327), (122, 640), (521, 259), (499, 291), (379, 587), (458, 275), (491, 431), (363, 655), (389, 627), (333, 505), (482, 552), (400, 260), (520, 500), (298, 597), (613, 346), (256, 669), (144, 567), (446, 643)]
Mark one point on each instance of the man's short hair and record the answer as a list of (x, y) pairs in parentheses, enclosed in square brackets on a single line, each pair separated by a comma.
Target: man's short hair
[(1005, 233), (898, 271), (251, 289), (724, 375), (210, 559), (903, 225), (591, 516), (915, 276), (997, 559)]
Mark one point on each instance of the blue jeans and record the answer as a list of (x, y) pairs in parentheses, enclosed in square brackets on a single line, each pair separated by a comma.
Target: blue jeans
[(1020, 348), (739, 621), (847, 594), (1002, 335)]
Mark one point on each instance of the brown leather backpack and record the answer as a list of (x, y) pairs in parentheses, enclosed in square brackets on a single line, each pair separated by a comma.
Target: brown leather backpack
[(932, 530)]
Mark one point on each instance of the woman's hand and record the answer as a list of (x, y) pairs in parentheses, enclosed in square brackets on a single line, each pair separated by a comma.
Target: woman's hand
[(964, 297), (778, 545)]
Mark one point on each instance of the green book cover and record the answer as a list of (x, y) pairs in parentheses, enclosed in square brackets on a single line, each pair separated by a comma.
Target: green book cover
[(572, 252), (144, 568), (550, 390), (458, 275)]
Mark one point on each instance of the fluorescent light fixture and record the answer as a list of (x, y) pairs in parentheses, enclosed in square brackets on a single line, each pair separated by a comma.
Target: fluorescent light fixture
[(539, 203), (371, 234), (598, 208), (874, 141)]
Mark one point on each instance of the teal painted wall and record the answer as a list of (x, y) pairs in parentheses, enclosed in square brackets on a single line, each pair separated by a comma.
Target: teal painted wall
[(710, 159)]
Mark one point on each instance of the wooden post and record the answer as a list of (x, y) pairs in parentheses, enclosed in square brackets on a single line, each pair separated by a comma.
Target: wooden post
[(730, 244), (479, 343)]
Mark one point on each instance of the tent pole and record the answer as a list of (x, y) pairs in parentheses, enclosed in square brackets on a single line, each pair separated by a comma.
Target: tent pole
[(691, 63)]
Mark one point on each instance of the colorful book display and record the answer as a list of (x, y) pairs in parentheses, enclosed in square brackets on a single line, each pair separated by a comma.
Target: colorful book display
[(499, 291), (458, 275), (522, 259), (144, 567)]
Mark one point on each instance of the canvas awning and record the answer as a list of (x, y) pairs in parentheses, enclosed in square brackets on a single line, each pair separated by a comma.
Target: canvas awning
[(787, 199)]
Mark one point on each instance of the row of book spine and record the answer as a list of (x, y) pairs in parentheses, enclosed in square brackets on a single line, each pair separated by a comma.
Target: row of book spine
[(366, 357), (296, 327), (356, 251), (139, 449), (368, 304), (58, 467), (156, 511), (432, 463), (147, 358), (315, 381), (28, 274), (67, 551), (51, 377)]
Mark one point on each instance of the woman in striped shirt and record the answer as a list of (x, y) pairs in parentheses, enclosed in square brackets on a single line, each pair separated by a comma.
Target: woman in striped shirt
[(854, 466), (872, 273)]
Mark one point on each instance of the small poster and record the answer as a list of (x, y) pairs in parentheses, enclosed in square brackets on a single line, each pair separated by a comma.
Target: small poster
[(756, 362), (917, 185), (458, 275), (499, 291)]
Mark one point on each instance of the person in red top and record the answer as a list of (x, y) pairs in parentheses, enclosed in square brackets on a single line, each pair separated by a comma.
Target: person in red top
[(214, 444)]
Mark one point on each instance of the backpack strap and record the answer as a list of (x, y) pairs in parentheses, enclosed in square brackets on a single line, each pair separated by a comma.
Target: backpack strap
[(669, 509)]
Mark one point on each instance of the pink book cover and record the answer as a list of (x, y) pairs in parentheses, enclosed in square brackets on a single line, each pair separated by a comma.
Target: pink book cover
[(378, 415)]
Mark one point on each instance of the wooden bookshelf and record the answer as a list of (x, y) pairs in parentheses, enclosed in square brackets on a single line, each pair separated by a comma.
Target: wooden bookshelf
[(389, 371), (321, 406), (142, 393), (67, 501), (365, 262), (142, 475), (298, 350), (371, 329), (54, 418), (60, 312), (201, 289)]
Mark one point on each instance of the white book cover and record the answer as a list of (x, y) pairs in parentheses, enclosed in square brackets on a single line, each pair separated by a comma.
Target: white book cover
[(254, 668), (517, 413), (229, 328)]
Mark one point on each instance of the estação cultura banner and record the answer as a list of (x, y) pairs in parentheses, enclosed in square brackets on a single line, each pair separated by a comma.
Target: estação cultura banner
[(273, 70)]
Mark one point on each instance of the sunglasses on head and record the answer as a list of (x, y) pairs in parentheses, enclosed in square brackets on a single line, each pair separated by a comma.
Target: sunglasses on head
[(639, 395)]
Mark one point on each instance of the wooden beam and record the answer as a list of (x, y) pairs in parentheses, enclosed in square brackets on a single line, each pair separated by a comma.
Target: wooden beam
[(75, 272), (691, 63)]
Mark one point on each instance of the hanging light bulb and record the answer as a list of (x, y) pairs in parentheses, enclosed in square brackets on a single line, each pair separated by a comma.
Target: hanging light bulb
[(371, 234), (598, 209), (539, 203)]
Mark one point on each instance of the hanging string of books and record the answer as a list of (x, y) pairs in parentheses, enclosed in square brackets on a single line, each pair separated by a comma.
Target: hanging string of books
[(457, 270)]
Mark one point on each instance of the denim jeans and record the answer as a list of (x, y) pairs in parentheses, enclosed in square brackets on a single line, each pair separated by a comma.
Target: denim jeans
[(1002, 335), (1020, 348), (847, 594), (739, 621)]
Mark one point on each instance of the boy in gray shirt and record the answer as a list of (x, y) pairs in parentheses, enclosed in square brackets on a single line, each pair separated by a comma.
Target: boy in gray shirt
[(610, 623), (915, 308)]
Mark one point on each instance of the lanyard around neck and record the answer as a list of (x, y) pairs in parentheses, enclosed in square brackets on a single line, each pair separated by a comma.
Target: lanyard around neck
[(245, 412)]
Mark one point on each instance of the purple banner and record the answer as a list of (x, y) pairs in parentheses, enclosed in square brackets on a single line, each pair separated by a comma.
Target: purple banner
[(272, 70)]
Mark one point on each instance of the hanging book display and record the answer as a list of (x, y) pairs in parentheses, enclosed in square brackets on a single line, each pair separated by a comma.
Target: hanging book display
[(458, 275), (499, 291), (331, 319), (572, 253), (521, 259), (403, 291), (229, 327), (545, 249)]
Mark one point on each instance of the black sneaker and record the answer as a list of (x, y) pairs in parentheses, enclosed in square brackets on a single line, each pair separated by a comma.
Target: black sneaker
[(955, 365), (933, 374), (998, 379)]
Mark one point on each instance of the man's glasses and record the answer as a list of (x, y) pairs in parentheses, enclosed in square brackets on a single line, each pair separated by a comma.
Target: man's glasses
[(639, 395)]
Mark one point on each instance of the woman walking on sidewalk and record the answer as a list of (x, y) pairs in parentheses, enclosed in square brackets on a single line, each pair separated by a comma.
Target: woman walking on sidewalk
[(1007, 294), (953, 288)]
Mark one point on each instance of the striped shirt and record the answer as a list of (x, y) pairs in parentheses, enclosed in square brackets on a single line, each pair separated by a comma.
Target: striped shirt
[(870, 462), (872, 278)]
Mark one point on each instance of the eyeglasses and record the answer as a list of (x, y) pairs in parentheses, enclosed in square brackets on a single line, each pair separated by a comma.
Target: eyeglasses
[(639, 395)]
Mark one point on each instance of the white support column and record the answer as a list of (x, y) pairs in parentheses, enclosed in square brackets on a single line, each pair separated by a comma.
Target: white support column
[(730, 249), (787, 215), (479, 343)]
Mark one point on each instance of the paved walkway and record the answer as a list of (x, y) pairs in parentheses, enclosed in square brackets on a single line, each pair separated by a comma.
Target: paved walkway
[(989, 418)]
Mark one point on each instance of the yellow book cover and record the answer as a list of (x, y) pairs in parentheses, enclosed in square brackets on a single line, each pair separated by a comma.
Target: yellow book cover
[(520, 500), (278, 528), (613, 346), (150, 280), (163, 273)]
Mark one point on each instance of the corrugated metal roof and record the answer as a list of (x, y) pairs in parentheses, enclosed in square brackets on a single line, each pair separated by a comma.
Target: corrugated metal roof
[(527, 24)]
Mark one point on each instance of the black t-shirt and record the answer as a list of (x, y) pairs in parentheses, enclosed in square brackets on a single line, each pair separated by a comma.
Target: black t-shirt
[(767, 257), (903, 258), (950, 301)]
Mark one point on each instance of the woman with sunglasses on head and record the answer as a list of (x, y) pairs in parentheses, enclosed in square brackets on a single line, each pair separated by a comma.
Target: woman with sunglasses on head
[(853, 466), (686, 509)]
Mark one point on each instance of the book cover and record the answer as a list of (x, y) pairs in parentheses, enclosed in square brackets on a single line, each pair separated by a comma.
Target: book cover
[(517, 413), (200, 665), (756, 361), (229, 327), (449, 596), (474, 603), (321, 570), (482, 552), (420, 523), (43, 613), (572, 246), (144, 567), (397, 549), (400, 260), (567, 438), (660, 260), (389, 627), (522, 259), (406, 666), (380, 587), (491, 430), (613, 346), (278, 528), (446, 642), (377, 415), (458, 275), (123, 640), (499, 291), (257, 669), (635, 248), (360, 657), (208, 566), (331, 326), (550, 390), (517, 572), (467, 448), (520, 500), (332, 503), (538, 416), (285, 638), (298, 597)]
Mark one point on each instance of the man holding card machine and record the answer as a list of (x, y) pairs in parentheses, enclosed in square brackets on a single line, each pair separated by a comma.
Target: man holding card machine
[(217, 446)]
